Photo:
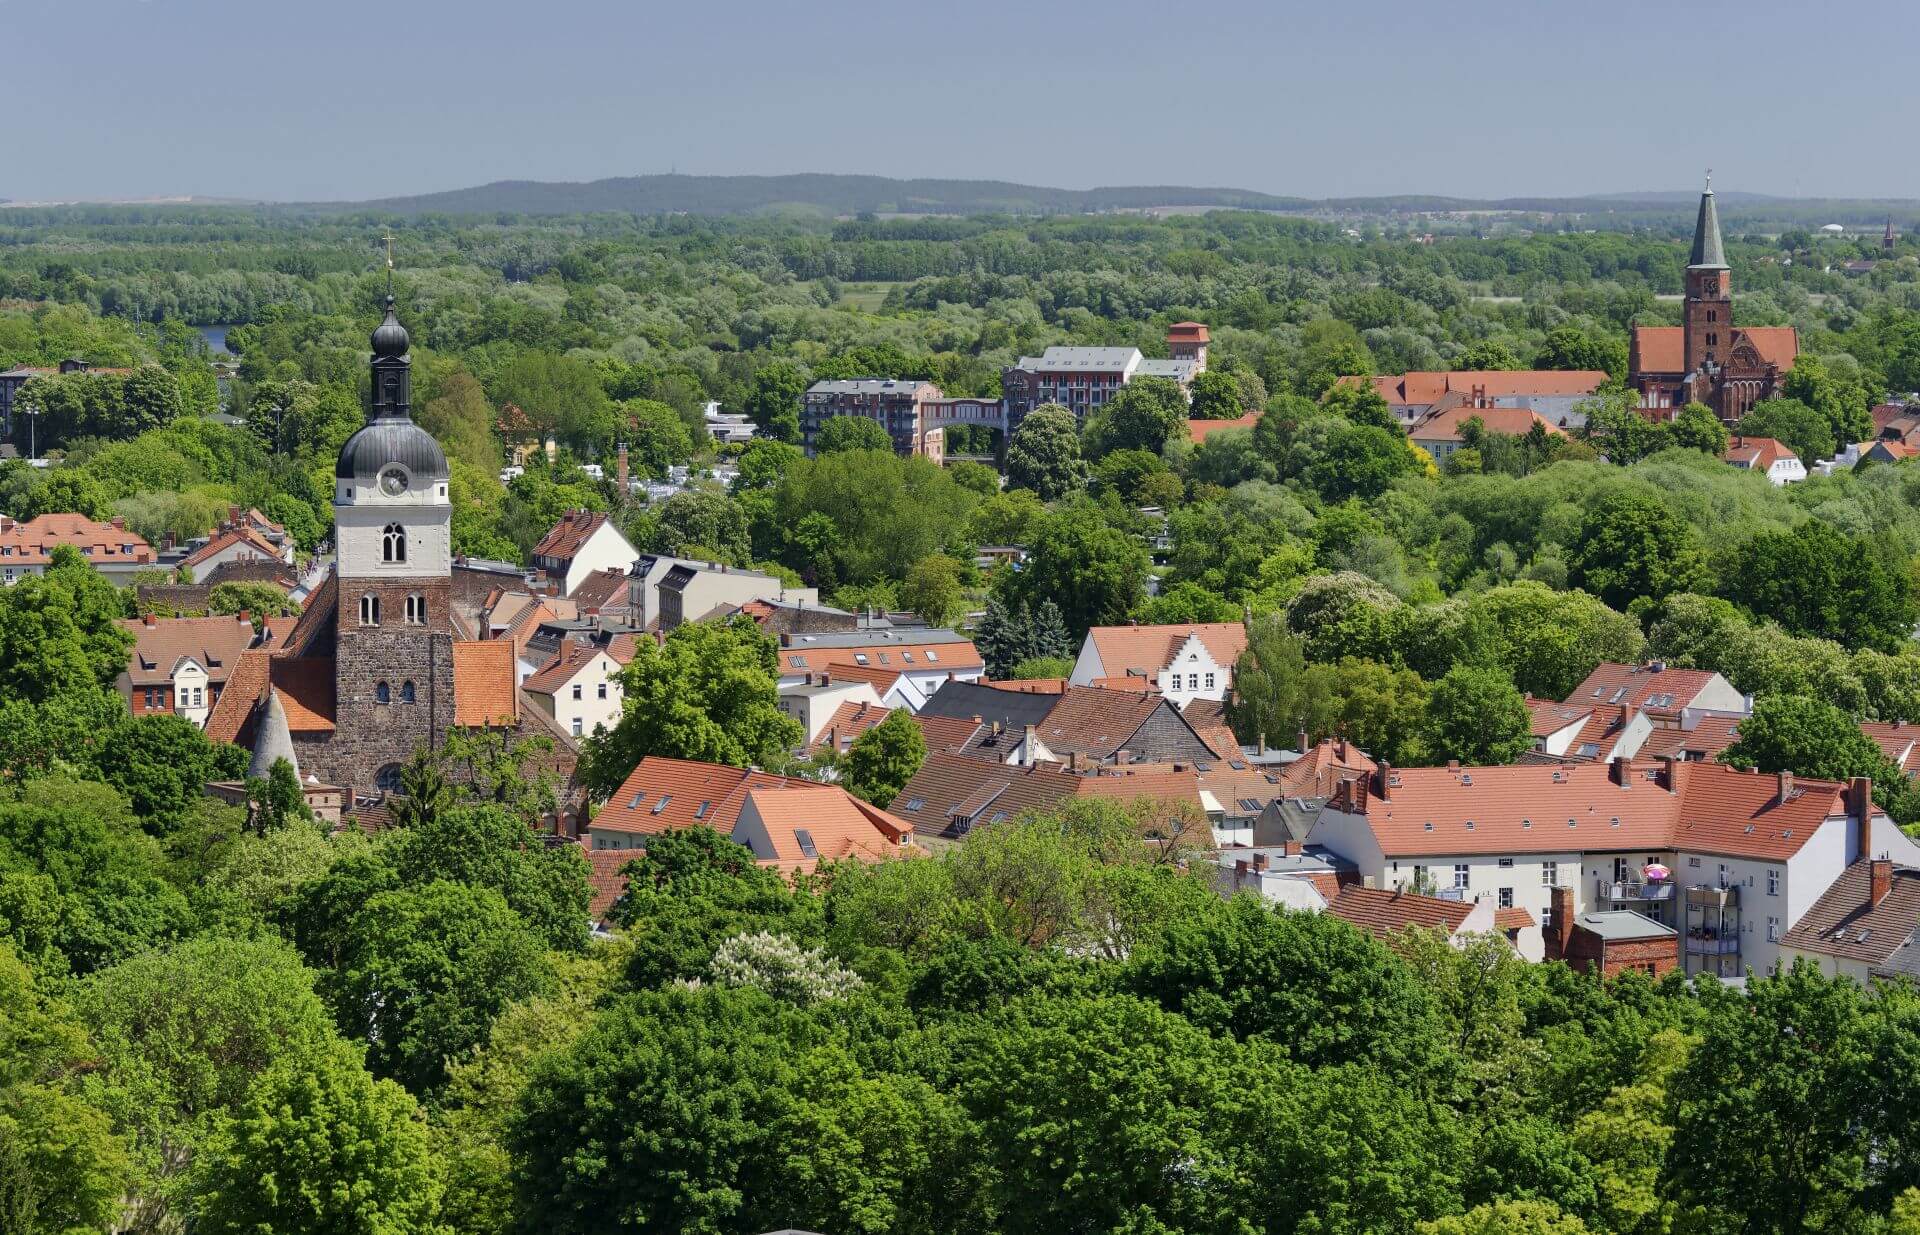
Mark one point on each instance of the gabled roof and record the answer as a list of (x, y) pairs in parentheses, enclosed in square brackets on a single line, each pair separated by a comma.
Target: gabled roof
[(564, 538), (1757, 454), (971, 701), (1897, 740), (918, 652), (807, 827), (1704, 741), (1444, 425), (484, 688), (847, 723), (604, 879), (567, 665), (243, 535), (245, 686), (662, 795), (1640, 686), (305, 685), (1323, 766), (951, 794), (1090, 720), (1145, 650), (1844, 922), (1423, 387), (948, 733), (103, 544), (603, 589), (1208, 717), (1387, 913), (215, 643)]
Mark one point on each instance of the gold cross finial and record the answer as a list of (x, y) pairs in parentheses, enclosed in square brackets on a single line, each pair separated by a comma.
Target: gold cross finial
[(389, 239)]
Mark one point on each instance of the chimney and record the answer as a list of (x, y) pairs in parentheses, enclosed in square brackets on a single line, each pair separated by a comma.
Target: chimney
[(1669, 776), (119, 521), (1122, 757), (1785, 782), (1879, 881), (1259, 861), (1240, 868), (1263, 743), (1383, 775), (1453, 765), (826, 678), (1562, 935), (1073, 761), (1859, 803), (148, 620), (1620, 771), (245, 615), (620, 468), (1302, 740)]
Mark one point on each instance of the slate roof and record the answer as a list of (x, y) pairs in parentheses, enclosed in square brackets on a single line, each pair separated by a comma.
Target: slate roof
[(971, 700), (1842, 923)]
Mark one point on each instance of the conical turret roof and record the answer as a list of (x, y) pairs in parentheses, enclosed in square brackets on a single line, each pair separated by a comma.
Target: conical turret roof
[(273, 741)]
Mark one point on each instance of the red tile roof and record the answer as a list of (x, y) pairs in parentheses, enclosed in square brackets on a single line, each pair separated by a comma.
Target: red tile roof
[(601, 590), (564, 539), (604, 878), (695, 793), (1640, 686), (1445, 426), (1146, 650), (306, 685), (1756, 453), (1158, 781), (1845, 923), (483, 683), (1709, 736), (103, 544), (848, 722), (245, 688), (1201, 430), (959, 655), (220, 543), (1897, 740), (1209, 719), (834, 824), (1322, 767), (1029, 686), (948, 733), (1512, 919), (1663, 349), (1386, 913), (1424, 387), (563, 668), (1092, 720), (951, 794)]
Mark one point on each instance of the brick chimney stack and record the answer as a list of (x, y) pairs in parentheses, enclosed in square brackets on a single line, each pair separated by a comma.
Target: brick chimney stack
[(620, 469), (1879, 881), (1561, 936), (1384, 775), (1785, 781), (1620, 771)]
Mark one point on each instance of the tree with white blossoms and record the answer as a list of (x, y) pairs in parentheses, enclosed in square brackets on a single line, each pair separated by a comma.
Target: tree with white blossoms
[(782, 968)]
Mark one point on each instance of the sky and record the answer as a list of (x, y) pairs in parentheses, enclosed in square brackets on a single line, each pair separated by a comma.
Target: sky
[(312, 100)]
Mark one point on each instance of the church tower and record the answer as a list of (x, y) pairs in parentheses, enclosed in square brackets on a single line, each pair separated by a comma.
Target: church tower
[(1708, 313), (393, 671)]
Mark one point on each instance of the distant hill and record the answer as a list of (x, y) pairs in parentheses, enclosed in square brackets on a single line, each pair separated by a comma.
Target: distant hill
[(818, 193)]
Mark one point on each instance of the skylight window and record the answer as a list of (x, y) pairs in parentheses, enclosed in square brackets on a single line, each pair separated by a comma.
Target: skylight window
[(913, 804), (662, 803), (804, 839), (638, 798)]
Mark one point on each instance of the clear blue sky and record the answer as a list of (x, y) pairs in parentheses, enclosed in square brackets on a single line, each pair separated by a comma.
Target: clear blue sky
[(347, 99)]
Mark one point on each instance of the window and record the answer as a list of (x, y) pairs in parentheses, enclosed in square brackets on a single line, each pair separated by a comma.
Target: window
[(600, 691), (1193, 681), (1546, 915), (387, 779), (859, 658), (1773, 930), (1506, 898), (913, 804), (369, 610), (1693, 862), (1209, 681), (1462, 874), (382, 694), (933, 656), (576, 690), (406, 692), (576, 726), (393, 544), (907, 657), (1773, 883), (1506, 863), (417, 609), (199, 696), (1550, 874), (183, 697)]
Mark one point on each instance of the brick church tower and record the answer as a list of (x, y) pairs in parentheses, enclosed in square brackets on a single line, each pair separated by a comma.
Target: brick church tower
[(394, 634), (1708, 314)]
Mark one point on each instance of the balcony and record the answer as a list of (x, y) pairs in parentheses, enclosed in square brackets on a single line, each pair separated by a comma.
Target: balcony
[(1723, 945), (1705, 896), (1633, 890)]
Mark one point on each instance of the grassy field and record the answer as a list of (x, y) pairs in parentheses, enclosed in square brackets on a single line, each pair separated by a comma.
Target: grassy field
[(865, 296)]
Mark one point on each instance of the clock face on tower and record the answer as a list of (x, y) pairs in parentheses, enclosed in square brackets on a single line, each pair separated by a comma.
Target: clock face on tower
[(393, 482)]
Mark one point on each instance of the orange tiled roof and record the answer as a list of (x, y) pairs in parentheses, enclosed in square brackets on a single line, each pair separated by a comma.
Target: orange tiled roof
[(306, 686), (1159, 781), (1709, 736), (1028, 686), (1663, 349), (1323, 766), (960, 655), (245, 687), (1146, 650), (1128, 682), (1512, 919), (694, 794), (1640, 686), (835, 825), (1386, 913), (1897, 740), (1422, 387), (1445, 426), (1756, 453), (848, 722), (32, 543), (1846, 923), (483, 683), (604, 879), (948, 733), (1209, 719), (242, 535), (1201, 430), (564, 539), (563, 668)]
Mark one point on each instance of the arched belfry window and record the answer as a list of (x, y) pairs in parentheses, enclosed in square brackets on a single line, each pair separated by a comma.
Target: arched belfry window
[(369, 610), (416, 610), (406, 692), (393, 544), (381, 694)]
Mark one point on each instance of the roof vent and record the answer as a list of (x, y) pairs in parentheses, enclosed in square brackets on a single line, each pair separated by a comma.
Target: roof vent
[(1466, 778), (1429, 825), (1526, 823), (1469, 825)]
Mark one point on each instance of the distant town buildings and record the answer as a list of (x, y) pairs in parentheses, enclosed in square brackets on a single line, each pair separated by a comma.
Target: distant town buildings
[(1554, 394), (113, 549)]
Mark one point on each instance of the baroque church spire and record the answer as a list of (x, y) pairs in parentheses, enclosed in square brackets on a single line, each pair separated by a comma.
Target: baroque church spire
[(1708, 253)]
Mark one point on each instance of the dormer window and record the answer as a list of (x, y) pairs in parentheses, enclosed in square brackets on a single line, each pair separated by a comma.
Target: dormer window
[(393, 544)]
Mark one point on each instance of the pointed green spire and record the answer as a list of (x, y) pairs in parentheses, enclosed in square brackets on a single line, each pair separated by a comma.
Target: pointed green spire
[(1707, 251)]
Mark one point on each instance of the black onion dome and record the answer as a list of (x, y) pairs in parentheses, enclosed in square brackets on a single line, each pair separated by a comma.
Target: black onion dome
[(390, 337), (369, 451)]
